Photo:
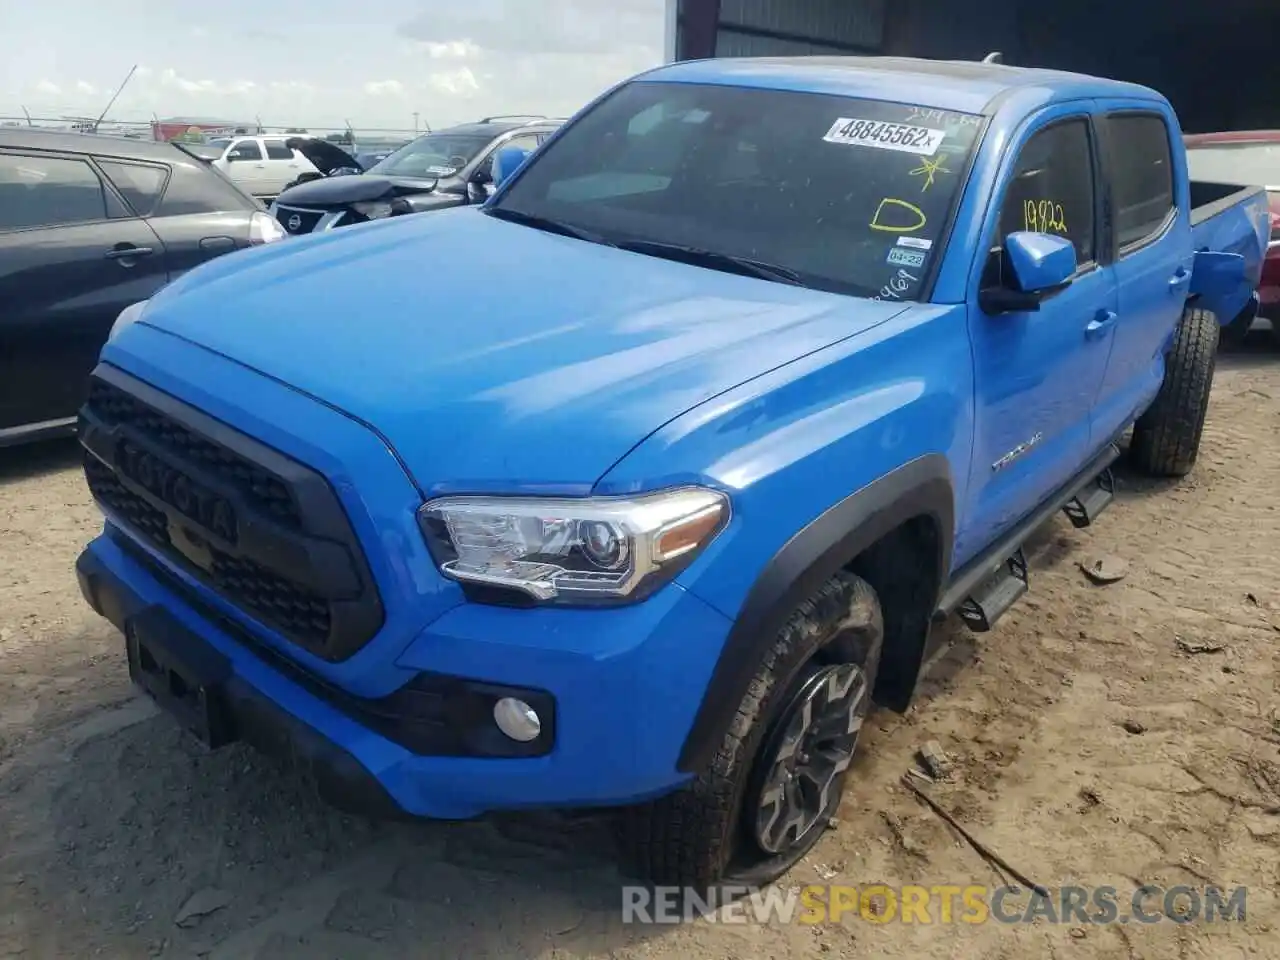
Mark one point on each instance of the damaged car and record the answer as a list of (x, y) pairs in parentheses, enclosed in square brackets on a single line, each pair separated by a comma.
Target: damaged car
[(329, 160), (452, 167)]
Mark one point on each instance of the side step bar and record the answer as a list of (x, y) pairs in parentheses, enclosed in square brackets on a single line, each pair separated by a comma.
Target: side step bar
[(986, 587), (1084, 507), (988, 603)]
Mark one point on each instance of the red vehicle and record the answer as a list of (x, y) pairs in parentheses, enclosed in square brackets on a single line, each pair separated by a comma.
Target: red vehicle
[(1246, 157)]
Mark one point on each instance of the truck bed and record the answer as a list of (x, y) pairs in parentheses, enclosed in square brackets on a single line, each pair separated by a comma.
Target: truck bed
[(1227, 219)]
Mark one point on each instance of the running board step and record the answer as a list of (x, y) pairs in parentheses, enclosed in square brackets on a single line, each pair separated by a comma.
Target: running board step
[(1093, 498), (995, 595)]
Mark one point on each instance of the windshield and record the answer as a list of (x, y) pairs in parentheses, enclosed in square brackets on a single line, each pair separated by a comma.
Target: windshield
[(1243, 164), (849, 195), (435, 155), (221, 143)]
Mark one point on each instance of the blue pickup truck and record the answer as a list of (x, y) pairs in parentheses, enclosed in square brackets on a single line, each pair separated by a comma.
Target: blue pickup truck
[(637, 485)]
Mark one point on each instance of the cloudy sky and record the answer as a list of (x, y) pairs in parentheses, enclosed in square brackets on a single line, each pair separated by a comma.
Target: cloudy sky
[(316, 63)]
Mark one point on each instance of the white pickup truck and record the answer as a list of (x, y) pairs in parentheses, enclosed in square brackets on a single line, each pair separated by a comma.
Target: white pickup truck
[(260, 165)]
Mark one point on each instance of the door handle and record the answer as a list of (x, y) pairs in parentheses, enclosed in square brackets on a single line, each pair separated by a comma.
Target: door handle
[(127, 252), (1100, 324), (1181, 277)]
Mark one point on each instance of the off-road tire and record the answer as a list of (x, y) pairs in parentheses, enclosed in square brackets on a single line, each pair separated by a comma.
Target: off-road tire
[(1166, 439), (694, 837)]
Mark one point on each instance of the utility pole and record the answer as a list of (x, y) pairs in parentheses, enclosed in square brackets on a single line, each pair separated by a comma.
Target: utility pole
[(415, 123), (111, 102)]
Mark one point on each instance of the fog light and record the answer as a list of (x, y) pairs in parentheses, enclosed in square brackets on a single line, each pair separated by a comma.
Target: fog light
[(517, 719)]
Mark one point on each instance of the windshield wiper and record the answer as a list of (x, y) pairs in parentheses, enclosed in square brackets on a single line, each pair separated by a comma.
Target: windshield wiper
[(716, 261), (546, 223)]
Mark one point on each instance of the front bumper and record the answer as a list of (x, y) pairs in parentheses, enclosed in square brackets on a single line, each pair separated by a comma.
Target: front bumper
[(619, 705)]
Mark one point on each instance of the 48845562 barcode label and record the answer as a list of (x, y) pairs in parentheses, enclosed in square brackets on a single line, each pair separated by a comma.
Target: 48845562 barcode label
[(904, 137)]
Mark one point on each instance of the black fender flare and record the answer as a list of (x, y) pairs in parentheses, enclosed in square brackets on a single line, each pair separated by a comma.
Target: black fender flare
[(921, 487)]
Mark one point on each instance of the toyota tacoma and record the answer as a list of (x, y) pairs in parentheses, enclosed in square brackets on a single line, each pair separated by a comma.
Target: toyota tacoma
[(786, 361)]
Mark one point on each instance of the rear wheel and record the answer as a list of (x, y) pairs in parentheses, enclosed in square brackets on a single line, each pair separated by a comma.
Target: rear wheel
[(779, 773), (1166, 439)]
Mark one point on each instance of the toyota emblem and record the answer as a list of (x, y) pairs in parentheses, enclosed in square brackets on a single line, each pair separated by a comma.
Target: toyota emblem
[(294, 223)]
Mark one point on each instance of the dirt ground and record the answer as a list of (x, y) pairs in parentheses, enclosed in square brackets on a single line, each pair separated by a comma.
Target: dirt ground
[(1091, 749)]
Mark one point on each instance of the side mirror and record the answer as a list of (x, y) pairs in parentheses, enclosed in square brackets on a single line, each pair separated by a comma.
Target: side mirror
[(1035, 267), (505, 163)]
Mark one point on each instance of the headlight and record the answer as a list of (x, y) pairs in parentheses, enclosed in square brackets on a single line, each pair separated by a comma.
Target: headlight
[(129, 315), (263, 228), (374, 210), (573, 551)]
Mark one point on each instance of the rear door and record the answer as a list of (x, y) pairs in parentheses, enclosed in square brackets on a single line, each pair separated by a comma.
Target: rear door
[(1152, 250), (283, 165), (72, 256), (194, 211)]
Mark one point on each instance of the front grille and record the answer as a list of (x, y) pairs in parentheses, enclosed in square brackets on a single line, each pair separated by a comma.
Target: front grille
[(294, 611), (296, 220), (116, 406), (298, 571)]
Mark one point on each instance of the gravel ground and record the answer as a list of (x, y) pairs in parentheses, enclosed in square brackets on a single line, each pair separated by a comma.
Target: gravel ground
[(1090, 747)]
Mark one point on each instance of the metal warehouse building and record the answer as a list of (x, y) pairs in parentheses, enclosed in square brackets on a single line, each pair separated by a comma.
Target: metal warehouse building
[(1216, 61)]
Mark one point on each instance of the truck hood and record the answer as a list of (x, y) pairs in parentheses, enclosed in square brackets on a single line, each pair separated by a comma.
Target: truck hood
[(323, 155), (355, 188), (491, 355)]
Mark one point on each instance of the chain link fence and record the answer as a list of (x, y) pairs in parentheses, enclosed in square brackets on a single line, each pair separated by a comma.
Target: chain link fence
[(198, 131)]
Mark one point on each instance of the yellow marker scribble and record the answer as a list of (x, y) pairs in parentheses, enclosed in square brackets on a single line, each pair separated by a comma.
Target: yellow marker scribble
[(1044, 216), (929, 168), (911, 207)]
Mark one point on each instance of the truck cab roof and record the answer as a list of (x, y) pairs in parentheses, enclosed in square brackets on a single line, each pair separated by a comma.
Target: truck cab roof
[(960, 85)]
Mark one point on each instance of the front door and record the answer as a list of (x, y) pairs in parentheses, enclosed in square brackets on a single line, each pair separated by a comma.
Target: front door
[(1037, 373), (71, 258), (247, 166)]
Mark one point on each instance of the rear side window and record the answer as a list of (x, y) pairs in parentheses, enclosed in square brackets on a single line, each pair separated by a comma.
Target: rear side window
[(48, 192), (140, 184), (196, 188), (276, 150), (1141, 175), (1052, 188)]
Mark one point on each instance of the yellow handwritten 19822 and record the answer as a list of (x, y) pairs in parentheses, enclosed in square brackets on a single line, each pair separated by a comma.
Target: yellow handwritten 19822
[(1044, 216), (891, 205)]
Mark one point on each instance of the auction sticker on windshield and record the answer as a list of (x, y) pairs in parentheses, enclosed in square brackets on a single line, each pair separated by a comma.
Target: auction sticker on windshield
[(923, 141)]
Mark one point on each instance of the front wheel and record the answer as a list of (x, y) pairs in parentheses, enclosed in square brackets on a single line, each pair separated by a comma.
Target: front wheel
[(777, 778), (1166, 439)]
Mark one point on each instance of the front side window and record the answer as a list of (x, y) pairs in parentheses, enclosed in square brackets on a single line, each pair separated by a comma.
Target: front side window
[(848, 195), (1052, 188), (435, 155), (1141, 175), (526, 141), (245, 150), (48, 192)]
